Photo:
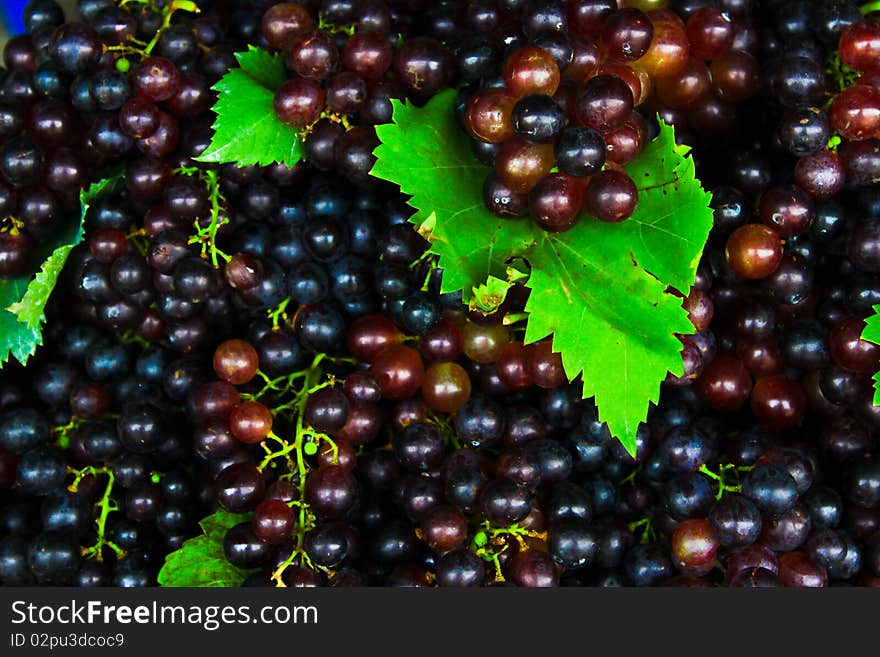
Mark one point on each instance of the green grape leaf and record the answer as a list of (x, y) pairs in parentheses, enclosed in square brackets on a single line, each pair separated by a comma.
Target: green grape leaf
[(23, 300), (200, 561), (872, 334), (601, 290), (246, 130)]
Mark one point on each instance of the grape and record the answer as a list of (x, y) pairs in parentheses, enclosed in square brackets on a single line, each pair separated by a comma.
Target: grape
[(520, 164), (530, 70), (250, 422), (556, 200), (753, 251), (710, 32), (860, 44), (626, 35), (668, 50), (611, 196), (488, 115), (236, 362), (771, 488), (406, 418), (298, 102), (605, 103)]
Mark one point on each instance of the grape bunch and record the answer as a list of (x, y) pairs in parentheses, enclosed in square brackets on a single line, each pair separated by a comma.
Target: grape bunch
[(93, 446), (563, 112), (338, 89), (272, 341)]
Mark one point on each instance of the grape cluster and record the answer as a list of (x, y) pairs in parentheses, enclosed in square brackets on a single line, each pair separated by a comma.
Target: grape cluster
[(338, 89), (574, 99), (93, 444), (272, 341)]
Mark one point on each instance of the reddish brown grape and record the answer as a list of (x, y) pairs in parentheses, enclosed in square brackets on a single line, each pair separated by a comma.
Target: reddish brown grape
[(859, 45), (797, 569), (624, 144), (611, 196), (298, 102), (850, 351), (444, 528), (585, 61), (556, 202), (735, 76), (362, 426), (16, 253), (344, 456), (314, 55), (215, 398), (250, 422), (330, 491), (273, 521), (520, 165), (399, 371), (687, 86), (487, 115), (284, 21), (694, 546), (422, 65), (787, 210), (236, 362), (531, 70), (855, 113), (532, 569), (502, 201), (753, 251), (668, 52), (585, 17), (761, 357), (367, 55), (725, 384), (545, 365), (444, 342), (626, 35), (512, 366), (638, 81), (605, 103), (446, 387), (700, 309), (483, 342), (710, 32), (778, 401), (370, 334)]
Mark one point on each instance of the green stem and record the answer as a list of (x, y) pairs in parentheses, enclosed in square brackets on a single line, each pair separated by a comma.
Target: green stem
[(870, 8), (306, 519), (279, 312), (167, 12), (207, 235), (721, 478), (646, 524), (106, 505)]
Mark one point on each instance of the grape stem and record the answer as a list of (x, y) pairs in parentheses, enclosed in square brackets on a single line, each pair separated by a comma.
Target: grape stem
[(145, 49), (206, 236), (294, 452), (279, 313), (844, 76), (446, 430), (106, 505), (646, 524), (489, 542), (722, 478)]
